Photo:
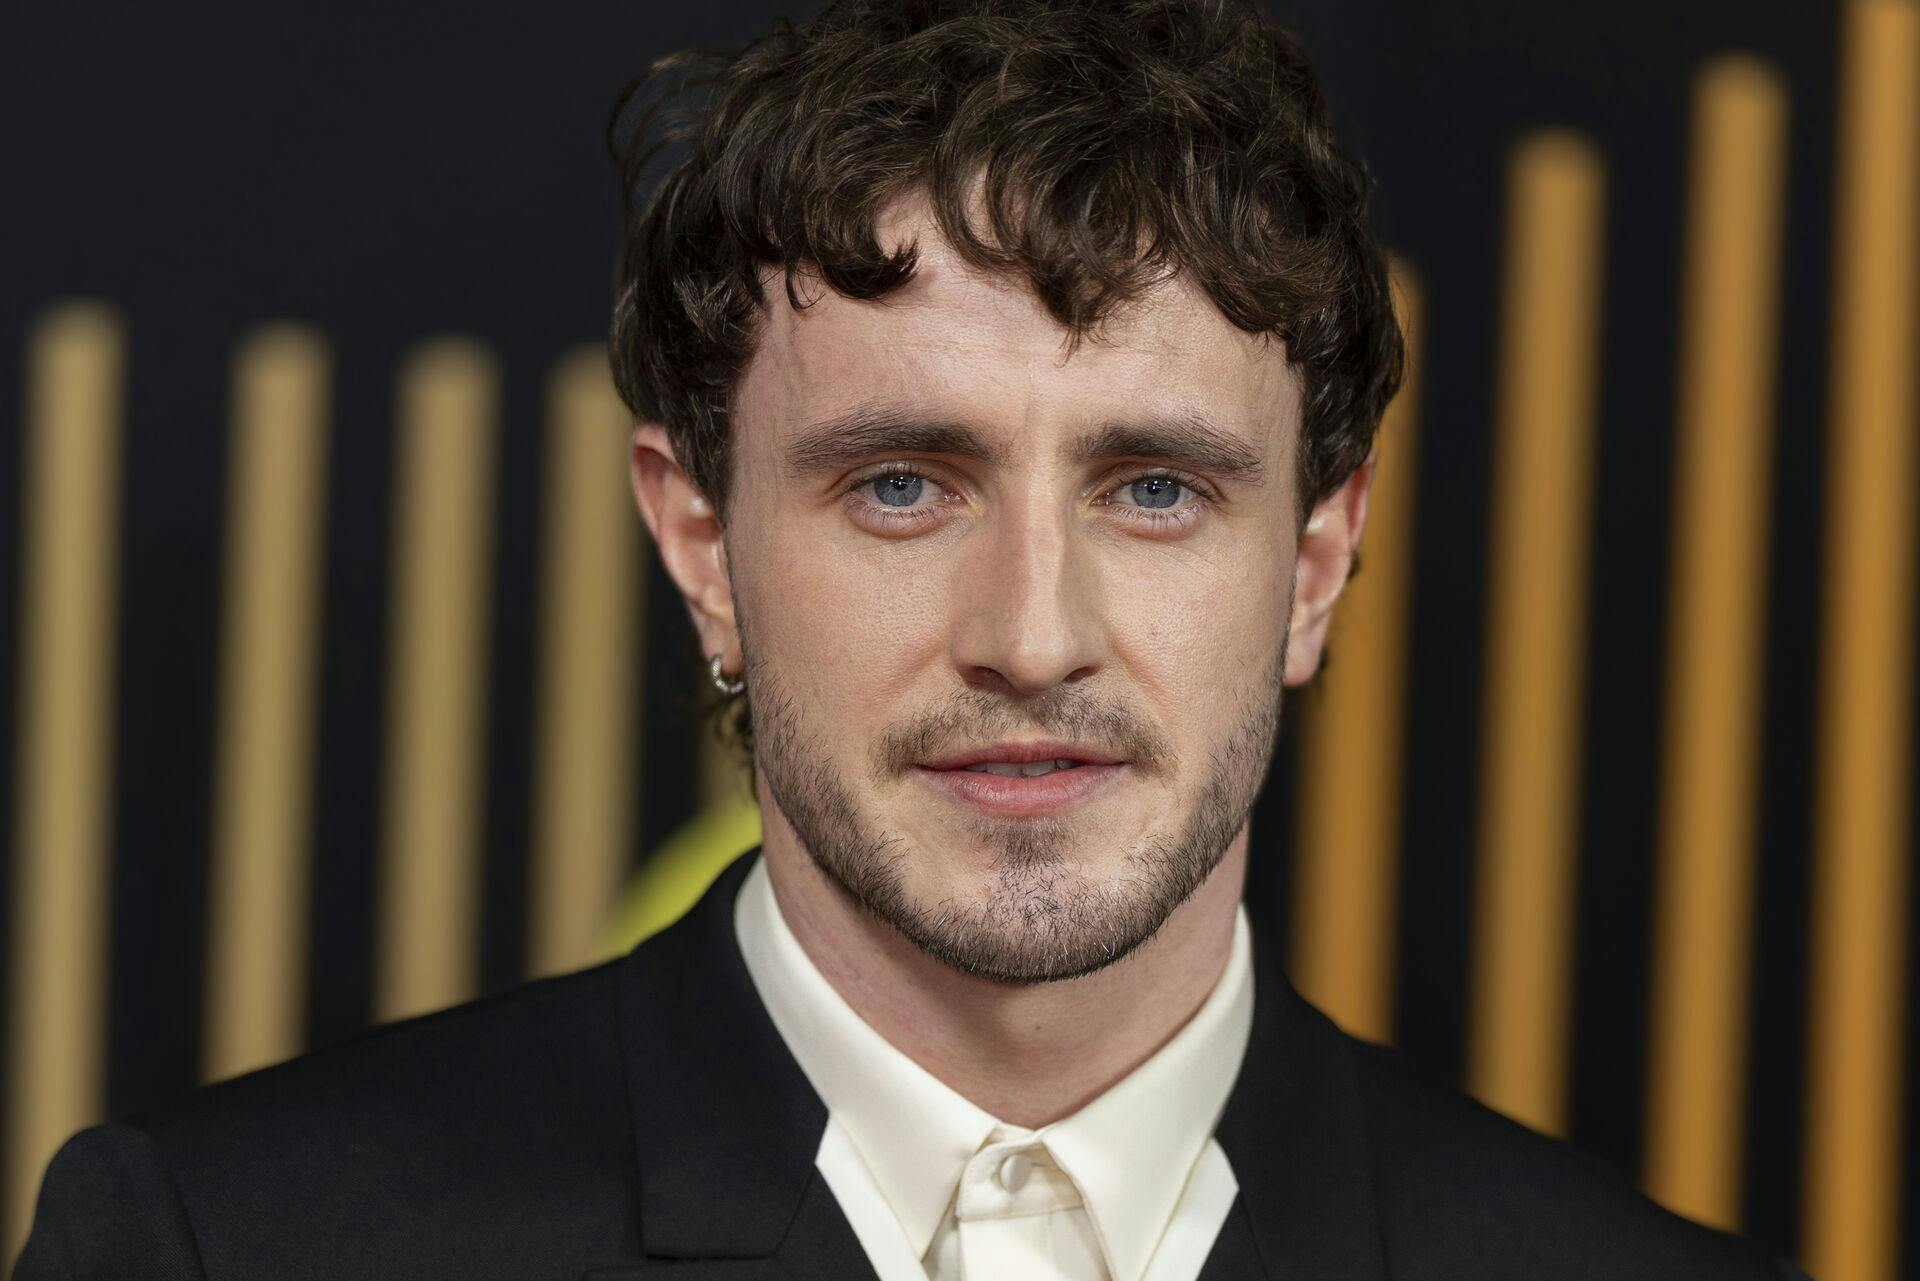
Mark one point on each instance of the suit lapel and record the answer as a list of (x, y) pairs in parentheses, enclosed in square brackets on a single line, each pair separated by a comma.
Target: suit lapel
[(725, 1124), (1235, 1255), (1295, 1130), (819, 1246)]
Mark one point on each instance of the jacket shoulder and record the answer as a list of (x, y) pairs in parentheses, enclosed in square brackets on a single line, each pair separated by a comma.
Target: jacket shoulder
[(1465, 1191), (450, 1064), (482, 1137), (107, 1207)]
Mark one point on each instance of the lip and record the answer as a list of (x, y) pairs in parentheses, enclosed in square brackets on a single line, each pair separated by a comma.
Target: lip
[(1003, 797), (1023, 753)]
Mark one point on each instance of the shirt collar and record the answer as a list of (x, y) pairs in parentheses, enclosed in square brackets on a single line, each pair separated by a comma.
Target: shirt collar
[(913, 1131), (1129, 1151)]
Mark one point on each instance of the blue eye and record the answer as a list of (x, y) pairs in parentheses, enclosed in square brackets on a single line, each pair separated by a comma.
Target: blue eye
[(898, 489), (1156, 491)]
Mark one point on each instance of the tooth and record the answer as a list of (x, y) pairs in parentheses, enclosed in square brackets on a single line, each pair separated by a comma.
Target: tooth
[(1030, 769)]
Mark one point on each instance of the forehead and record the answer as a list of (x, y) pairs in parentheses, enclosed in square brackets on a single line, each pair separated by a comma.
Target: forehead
[(980, 347)]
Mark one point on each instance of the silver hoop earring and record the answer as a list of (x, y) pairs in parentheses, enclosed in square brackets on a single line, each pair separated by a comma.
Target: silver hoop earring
[(721, 683)]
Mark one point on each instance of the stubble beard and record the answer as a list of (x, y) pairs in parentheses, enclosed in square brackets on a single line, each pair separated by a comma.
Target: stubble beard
[(1042, 920)]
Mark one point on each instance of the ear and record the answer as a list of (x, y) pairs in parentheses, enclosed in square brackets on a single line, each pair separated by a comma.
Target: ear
[(687, 530), (1322, 565)]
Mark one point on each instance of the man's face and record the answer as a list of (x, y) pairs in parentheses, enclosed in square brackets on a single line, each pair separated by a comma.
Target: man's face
[(961, 556)]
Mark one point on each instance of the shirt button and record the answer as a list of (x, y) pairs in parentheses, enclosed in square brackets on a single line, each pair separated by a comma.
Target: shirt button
[(1014, 1171)]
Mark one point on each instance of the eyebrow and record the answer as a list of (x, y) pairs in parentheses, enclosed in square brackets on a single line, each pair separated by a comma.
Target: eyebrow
[(839, 442), (1187, 440)]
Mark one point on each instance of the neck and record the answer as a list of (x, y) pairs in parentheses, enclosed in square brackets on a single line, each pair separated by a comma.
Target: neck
[(1027, 1054)]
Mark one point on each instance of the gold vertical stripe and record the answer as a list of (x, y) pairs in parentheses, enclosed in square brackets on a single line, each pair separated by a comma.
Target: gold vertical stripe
[(436, 704), (75, 358), (1537, 618), (1346, 892), (259, 880), (1696, 1090), (586, 776), (1863, 756)]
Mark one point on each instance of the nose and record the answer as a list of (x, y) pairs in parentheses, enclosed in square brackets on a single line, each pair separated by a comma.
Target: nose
[(1029, 608)]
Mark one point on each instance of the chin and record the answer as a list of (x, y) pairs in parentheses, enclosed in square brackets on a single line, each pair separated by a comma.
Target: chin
[(1028, 906), (985, 860)]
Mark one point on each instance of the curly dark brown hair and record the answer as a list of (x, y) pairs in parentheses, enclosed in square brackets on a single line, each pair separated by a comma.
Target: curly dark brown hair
[(1092, 146)]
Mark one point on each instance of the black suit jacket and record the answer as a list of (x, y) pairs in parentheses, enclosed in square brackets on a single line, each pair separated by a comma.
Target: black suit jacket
[(644, 1118)]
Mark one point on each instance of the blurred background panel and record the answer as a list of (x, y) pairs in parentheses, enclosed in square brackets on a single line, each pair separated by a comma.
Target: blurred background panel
[(337, 681)]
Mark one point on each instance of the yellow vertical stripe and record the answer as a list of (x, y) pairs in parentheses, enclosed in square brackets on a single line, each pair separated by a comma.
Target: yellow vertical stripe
[(260, 877), (75, 358), (1347, 863), (1863, 757), (587, 780), (1696, 1095), (436, 703), (1537, 621)]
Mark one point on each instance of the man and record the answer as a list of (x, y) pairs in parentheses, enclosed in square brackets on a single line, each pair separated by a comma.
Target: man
[(1007, 372)]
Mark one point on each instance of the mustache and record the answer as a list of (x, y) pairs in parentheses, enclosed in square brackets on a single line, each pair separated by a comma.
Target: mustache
[(975, 716)]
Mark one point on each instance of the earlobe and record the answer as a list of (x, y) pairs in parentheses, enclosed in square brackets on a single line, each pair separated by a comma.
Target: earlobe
[(688, 532), (1329, 548)]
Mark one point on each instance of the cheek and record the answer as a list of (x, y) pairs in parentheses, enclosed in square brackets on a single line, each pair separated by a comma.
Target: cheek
[(1188, 627), (845, 631)]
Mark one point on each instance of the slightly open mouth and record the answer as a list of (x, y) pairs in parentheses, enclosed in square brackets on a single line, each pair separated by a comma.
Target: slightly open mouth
[(1025, 769), (1024, 789)]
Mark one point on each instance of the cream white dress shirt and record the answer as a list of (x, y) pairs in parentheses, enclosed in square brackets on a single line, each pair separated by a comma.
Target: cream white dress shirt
[(1132, 1187)]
